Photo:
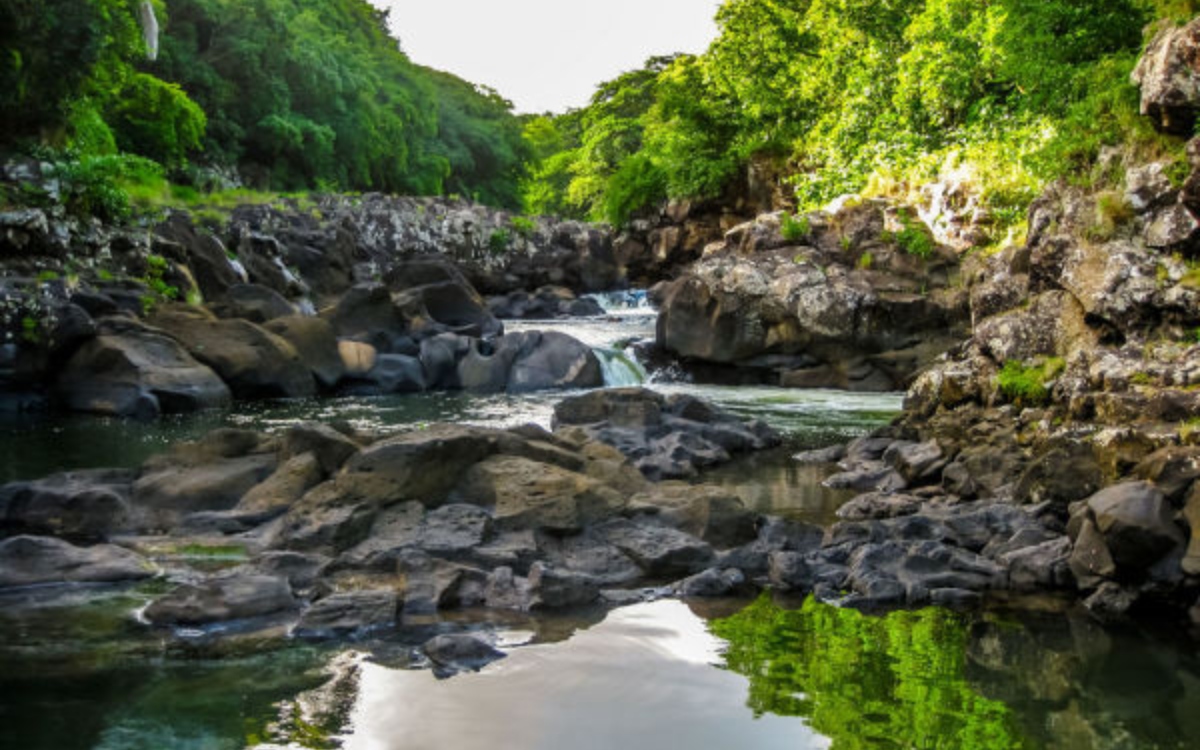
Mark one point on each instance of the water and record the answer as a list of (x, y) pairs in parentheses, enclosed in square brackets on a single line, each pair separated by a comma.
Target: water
[(78, 672), (695, 675)]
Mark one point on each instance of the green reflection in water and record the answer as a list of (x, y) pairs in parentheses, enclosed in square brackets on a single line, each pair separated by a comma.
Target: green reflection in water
[(865, 681)]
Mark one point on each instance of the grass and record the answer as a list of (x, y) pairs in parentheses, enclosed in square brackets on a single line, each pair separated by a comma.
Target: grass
[(1027, 385), (794, 228)]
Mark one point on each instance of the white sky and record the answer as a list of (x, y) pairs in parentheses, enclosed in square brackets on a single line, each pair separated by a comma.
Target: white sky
[(547, 55)]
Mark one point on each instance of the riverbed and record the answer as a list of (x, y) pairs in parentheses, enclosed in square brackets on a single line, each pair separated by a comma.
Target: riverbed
[(81, 672)]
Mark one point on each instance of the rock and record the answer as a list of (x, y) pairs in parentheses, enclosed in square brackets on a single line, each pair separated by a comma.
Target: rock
[(1191, 514), (300, 570), (1173, 471), (1169, 78), (133, 370), (432, 289), (33, 560), (1110, 601), (347, 614), (878, 505), (809, 310), (1090, 561), (505, 590), (285, 486), (358, 359), (658, 550), (665, 438), (1060, 476), (1136, 522), (550, 359), (331, 448), (201, 251), (1042, 567), (440, 356), (790, 571), (314, 341), (589, 554), (527, 494), (454, 529), (917, 463), (220, 600), (365, 313), (551, 587), (396, 373), (82, 506), (252, 361), (459, 652), (711, 583), (422, 465), (872, 477), (163, 495), (710, 513), (253, 302)]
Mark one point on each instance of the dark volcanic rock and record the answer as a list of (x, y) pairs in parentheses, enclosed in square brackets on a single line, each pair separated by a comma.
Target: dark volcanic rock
[(222, 599), (32, 560), (133, 370)]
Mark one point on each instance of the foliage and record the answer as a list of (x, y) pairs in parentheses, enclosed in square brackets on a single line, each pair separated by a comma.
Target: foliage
[(893, 681), (794, 228), (855, 96), (498, 242), (914, 238), (523, 225), (293, 95), (1027, 385), (96, 185)]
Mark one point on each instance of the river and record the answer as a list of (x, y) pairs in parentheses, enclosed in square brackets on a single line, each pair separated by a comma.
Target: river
[(80, 672)]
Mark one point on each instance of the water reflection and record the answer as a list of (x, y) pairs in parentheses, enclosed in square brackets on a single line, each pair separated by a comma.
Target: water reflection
[(643, 678), (936, 679)]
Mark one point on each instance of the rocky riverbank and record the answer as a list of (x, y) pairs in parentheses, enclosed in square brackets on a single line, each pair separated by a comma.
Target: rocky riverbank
[(338, 532)]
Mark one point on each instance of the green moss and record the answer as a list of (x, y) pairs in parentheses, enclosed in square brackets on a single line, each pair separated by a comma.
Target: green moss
[(866, 260), (1028, 385), (498, 242)]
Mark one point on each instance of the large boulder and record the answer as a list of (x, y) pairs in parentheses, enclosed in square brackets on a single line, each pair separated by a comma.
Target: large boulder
[(530, 494), (84, 505), (315, 342), (348, 613), (665, 437), (33, 560), (432, 291), (1169, 76), (232, 597), (132, 370), (1137, 523), (818, 315), (254, 362), (254, 302)]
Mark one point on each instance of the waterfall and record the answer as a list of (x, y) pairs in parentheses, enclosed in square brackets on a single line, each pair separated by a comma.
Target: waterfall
[(149, 29), (619, 368)]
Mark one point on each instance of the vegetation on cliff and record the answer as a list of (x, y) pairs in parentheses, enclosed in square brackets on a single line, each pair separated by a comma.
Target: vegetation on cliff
[(291, 95), (844, 96)]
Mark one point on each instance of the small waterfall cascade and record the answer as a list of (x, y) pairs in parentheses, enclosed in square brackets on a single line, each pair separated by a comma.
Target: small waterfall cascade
[(149, 29), (620, 369)]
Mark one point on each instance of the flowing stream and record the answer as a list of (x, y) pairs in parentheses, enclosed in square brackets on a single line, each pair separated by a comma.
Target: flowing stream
[(80, 672)]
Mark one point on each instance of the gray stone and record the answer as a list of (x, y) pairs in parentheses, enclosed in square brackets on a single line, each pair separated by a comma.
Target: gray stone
[(32, 560), (222, 599), (460, 652), (348, 613)]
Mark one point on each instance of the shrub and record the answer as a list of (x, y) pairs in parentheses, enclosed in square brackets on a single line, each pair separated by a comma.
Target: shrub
[(915, 239), (523, 226), (498, 242), (794, 228)]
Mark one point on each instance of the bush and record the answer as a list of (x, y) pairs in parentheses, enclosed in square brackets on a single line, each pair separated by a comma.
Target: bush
[(95, 185), (794, 228), (915, 239)]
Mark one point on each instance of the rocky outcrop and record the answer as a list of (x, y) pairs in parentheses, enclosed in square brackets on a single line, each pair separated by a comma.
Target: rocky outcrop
[(36, 560), (130, 369), (664, 436), (1169, 77), (861, 298)]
